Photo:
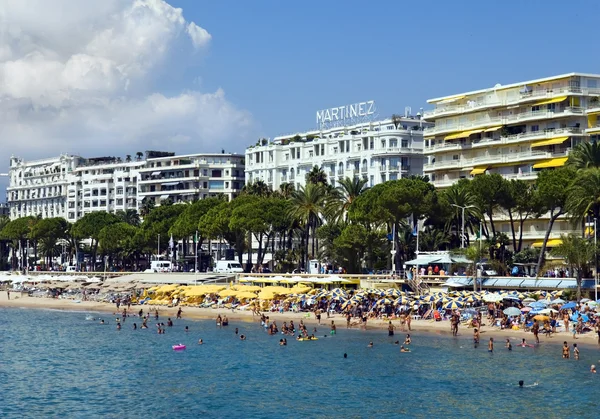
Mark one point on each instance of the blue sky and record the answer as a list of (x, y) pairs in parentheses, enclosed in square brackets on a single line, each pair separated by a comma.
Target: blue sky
[(284, 60)]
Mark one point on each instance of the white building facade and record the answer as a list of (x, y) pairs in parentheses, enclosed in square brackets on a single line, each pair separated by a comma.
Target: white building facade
[(377, 151), (71, 186), (191, 177), (515, 130)]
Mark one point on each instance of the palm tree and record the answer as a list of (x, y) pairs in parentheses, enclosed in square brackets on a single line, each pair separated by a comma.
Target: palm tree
[(128, 158), (578, 253), (307, 207), (129, 216), (258, 188), (147, 206), (584, 195), (342, 197), (459, 196), (286, 189), (432, 239), (585, 156), (316, 176), (139, 155)]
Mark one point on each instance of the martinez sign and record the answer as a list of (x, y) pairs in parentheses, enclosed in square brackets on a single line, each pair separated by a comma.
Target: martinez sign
[(346, 112)]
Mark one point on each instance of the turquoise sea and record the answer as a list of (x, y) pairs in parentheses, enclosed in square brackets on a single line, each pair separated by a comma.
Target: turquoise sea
[(58, 364)]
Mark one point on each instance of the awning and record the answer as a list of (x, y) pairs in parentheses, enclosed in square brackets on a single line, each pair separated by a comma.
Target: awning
[(463, 134), (164, 197), (451, 99), (551, 141), (558, 162), (478, 170), (492, 129), (429, 137), (171, 183), (154, 173), (550, 243), (549, 101)]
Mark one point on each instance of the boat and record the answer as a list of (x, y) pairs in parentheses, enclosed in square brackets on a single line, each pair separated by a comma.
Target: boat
[(179, 347)]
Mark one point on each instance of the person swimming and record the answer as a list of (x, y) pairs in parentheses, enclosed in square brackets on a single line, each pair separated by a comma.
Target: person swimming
[(200, 341), (508, 344), (370, 345), (491, 345), (521, 383), (407, 340), (118, 326), (403, 349), (187, 329), (242, 337), (346, 355), (397, 342), (236, 330), (134, 326), (593, 369), (101, 321)]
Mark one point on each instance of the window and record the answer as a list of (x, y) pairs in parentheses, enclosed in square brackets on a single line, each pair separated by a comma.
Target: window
[(404, 143), (535, 128), (456, 157), (215, 173), (119, 191), (120, 201), (592, 84), (535, 108)]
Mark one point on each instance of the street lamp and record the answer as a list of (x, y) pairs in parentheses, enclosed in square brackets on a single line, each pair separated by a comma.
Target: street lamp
[(462, 236)]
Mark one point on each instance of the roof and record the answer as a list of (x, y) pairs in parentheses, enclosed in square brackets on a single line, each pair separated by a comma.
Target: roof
[(512, 85), (443, 258)]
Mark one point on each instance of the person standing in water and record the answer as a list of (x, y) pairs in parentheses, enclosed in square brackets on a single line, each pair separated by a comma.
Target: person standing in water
[(566, 351), (575, 352), (333, 328), (491, 345), (390, 329), (179, 311), (508, 344)]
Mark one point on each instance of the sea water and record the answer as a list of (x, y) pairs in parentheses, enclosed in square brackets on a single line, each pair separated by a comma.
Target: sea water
[(58, 364)]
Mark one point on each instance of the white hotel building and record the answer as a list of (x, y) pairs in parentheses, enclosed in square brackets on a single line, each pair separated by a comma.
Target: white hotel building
[(71, 186), (515, 130), (378, 151)]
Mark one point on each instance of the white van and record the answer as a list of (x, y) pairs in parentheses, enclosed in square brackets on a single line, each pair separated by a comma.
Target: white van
[(71, 269), (229, 266), (160, 266)]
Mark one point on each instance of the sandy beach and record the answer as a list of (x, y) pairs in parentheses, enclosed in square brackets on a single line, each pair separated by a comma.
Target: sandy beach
[(197, 313)]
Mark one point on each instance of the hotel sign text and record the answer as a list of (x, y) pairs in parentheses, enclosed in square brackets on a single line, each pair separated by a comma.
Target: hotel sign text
[(346, 112)]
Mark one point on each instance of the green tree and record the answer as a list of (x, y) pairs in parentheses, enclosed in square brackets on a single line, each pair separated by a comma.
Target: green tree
[(47, 232), (147, 206), (459, 196), (583, 195), (159, 222), (129, 216), (17, 231), (432, 239), (578, 254), (89, 227), (339, 201), (519, 203), (316, 176), (257, 188), (489, 191), (307, 205), (117, 239), (585, 156), (351, 245), (551, 198)]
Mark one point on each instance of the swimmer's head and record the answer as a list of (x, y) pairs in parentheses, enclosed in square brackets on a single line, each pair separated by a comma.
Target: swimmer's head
[(521, 383)]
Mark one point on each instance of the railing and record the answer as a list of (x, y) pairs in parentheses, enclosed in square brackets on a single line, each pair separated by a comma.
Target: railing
[(523, 96), (501, 120)]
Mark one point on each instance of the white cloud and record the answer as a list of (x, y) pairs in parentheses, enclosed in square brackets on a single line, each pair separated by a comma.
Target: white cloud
[(200, 37), (75, 77)]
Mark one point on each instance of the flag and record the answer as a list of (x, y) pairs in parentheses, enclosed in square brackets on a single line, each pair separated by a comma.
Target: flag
[(415, 226), (196, 237), (171, 242)]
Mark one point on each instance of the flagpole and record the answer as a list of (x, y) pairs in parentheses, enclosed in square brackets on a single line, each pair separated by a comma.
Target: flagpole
[(196, 260)]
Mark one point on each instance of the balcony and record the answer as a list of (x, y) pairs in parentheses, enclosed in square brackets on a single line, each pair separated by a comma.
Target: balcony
[(444, 183), (398, 151), (444, 164), (488, 121), (447, 109)]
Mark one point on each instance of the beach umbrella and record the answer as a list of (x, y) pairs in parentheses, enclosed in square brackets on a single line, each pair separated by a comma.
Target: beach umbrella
[(526, 309), (541, 317), (585, 300), (558, 301), (529, 300), (384, 301), (537, 304), (568, 306), (512, 311), (548, 311), (453, 305)]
